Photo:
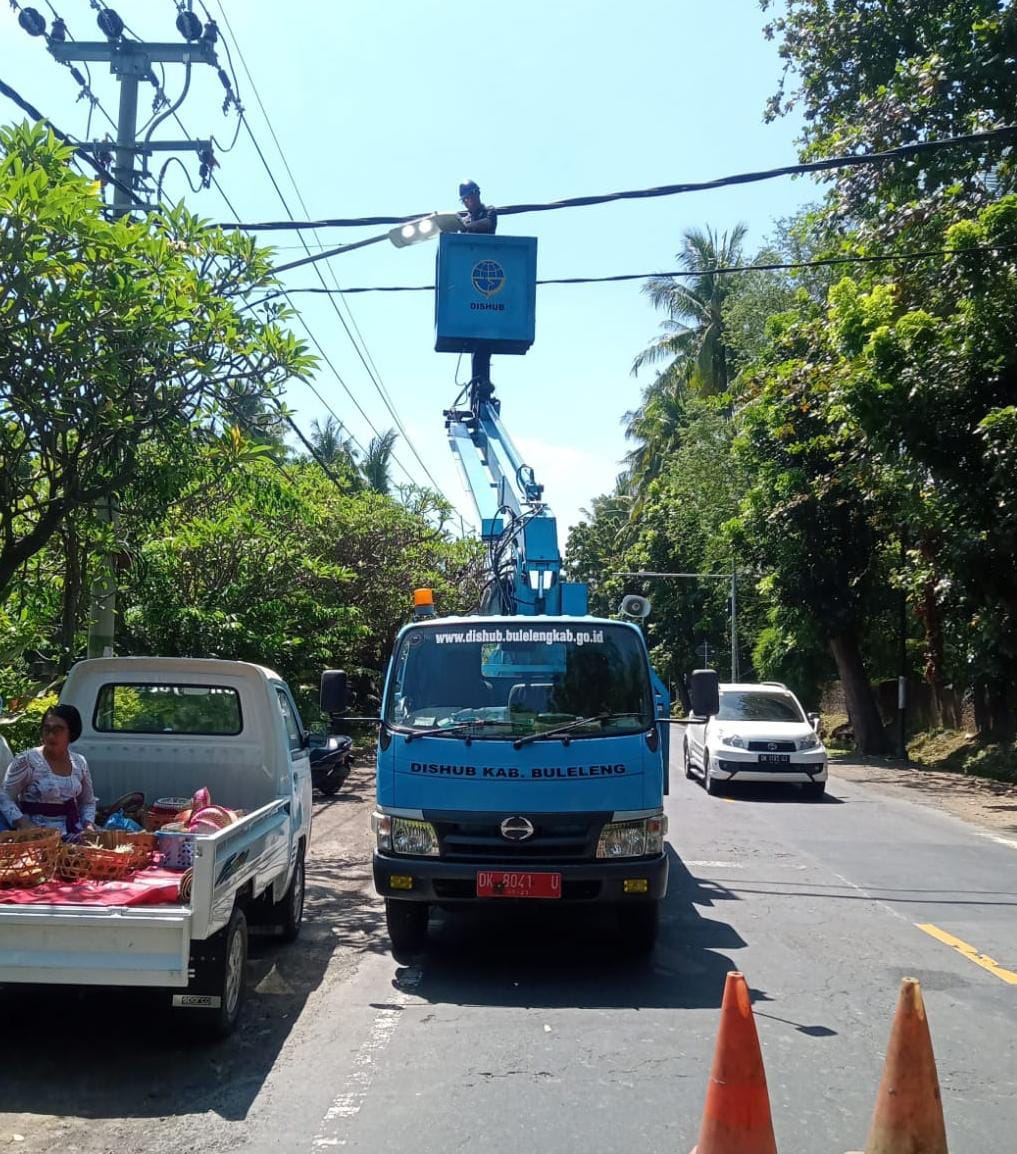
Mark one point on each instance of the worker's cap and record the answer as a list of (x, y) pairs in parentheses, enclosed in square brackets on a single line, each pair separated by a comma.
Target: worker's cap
[(468, 188)]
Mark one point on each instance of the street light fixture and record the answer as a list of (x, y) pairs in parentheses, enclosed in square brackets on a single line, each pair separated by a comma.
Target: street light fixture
[(427, 228)]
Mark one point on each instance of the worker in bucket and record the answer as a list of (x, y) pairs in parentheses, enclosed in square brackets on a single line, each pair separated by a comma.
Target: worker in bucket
[(478, 218)]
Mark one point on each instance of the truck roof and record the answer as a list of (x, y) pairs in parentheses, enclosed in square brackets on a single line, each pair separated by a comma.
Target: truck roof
[(133, 666)]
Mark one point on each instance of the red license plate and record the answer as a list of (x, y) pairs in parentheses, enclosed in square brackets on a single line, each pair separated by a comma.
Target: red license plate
[(510, 884)]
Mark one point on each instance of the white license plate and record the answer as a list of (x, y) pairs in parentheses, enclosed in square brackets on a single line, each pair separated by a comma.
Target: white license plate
[(775, 758)]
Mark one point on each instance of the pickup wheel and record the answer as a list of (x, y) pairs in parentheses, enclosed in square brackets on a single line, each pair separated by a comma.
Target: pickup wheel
[(221, 972), (407, 927), (640, 923), (288, 913)]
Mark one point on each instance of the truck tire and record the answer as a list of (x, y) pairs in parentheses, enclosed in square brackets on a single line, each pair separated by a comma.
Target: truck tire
[(407, 927), (288, 912), (639, 922), (221, 971)]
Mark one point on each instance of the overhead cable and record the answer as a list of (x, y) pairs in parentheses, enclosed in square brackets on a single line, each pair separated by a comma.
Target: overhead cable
[(719, 270), (856, 160), (363, 354)]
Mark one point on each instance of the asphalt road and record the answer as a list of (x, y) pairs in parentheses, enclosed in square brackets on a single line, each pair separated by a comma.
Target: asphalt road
[(530, 1031)]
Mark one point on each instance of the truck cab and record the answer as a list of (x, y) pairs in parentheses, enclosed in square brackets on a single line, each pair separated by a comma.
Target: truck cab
[(520, 758)]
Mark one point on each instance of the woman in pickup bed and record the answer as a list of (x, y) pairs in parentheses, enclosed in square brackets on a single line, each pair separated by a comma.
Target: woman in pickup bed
[(50, 786)]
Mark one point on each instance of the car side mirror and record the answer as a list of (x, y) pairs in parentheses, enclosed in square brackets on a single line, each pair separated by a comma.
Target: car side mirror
[(704, 692), (334, 692), (814, 721)]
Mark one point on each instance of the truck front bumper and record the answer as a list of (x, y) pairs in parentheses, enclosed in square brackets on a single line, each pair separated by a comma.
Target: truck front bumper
[(450, 883)]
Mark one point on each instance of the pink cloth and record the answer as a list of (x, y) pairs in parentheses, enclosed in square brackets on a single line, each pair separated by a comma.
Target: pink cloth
[(149, 887)]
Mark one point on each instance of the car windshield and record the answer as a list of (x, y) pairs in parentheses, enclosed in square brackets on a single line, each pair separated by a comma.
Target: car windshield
[(495, 682), (748, 706)]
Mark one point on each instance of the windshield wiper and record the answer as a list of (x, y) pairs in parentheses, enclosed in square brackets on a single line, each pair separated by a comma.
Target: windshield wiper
[(561, 730), (439, 730)]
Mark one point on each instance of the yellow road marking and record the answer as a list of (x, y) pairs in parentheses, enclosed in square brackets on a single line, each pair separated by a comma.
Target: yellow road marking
[(970, 953)]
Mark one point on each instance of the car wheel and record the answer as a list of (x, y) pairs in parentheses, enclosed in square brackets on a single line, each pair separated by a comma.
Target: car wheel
[(814, 790), (713, 787), (407, 927), (686, 760)]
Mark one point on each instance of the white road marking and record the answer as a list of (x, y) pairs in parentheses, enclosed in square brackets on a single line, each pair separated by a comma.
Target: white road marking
[(999, 840), (715, 865), (347, 1105)]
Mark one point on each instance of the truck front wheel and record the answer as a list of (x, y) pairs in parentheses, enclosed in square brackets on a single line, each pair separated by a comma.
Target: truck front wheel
[(639, 923), (407, 926)]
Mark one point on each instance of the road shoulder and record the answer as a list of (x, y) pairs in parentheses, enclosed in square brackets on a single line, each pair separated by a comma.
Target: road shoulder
[(991, 805)]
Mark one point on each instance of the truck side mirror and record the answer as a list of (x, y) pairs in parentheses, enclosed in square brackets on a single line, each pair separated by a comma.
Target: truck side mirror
[(704, 692), (334, 694)]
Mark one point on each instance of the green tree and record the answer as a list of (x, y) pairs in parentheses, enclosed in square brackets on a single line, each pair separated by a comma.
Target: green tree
[(117, 335)]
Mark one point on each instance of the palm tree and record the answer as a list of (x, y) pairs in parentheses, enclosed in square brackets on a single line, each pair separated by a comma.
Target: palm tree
[(375, 466), (330, 445), (691, 344)]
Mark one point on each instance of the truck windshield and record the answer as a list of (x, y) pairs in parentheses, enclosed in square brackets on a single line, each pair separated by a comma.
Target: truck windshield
[(498, 681)]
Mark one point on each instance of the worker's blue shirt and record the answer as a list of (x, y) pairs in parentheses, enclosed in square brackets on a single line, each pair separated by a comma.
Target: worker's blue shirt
[(485, 219)]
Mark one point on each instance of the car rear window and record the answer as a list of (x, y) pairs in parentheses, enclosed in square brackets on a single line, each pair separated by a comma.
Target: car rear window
[(758, 707), (132, 707)]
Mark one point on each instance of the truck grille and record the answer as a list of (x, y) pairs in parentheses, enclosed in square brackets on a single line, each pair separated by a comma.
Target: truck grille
[(772, 746), (556, 837)]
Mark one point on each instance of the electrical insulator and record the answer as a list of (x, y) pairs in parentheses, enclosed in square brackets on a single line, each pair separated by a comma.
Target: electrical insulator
[(188, 25), (58, 33), (33, 22), (211, 33), (110, 24)]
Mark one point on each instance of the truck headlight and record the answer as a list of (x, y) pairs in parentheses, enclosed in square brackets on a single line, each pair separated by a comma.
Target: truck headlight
[(412, 837), (620, 839), (810, 741)]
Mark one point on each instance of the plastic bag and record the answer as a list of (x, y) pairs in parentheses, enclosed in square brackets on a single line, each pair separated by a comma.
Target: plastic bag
[(121, 821)]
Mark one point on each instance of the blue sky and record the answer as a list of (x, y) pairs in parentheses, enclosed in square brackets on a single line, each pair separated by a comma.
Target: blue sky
[(384, 108)]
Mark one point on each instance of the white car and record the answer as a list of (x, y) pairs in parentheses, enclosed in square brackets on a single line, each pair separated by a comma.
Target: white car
[(759, 734)]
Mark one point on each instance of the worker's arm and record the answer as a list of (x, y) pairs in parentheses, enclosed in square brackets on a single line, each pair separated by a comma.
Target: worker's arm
[(488, 223)]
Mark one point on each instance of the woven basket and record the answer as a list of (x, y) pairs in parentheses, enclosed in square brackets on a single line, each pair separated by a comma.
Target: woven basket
[(28, 857), (79, 863), (143, 845)]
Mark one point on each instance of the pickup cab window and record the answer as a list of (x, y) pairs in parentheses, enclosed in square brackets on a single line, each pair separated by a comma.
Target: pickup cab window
[(294, 732), (198, 710)]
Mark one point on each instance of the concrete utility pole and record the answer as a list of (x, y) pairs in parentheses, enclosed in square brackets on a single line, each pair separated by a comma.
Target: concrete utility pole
[(130, 62)]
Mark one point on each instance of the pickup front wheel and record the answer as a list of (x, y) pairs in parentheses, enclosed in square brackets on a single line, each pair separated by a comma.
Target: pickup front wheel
[(289, 912), (407, 927)]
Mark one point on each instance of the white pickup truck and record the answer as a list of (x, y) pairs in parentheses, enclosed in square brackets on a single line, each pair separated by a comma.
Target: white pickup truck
[(168, 726)]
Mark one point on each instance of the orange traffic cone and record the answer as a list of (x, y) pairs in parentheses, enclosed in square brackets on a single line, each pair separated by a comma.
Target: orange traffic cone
[(908, 1118), (736, 1119)]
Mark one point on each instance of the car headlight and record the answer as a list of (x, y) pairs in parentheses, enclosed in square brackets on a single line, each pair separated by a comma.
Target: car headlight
[(732, 740), (810, 741), (632, 838), (405, 835)]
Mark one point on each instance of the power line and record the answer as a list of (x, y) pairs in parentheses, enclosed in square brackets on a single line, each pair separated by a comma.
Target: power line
[(365, 357), (902, 152), (720, 270)]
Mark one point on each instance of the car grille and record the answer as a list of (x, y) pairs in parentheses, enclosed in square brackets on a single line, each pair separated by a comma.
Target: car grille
[(556, 837), (769, 767), (772, 746)]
